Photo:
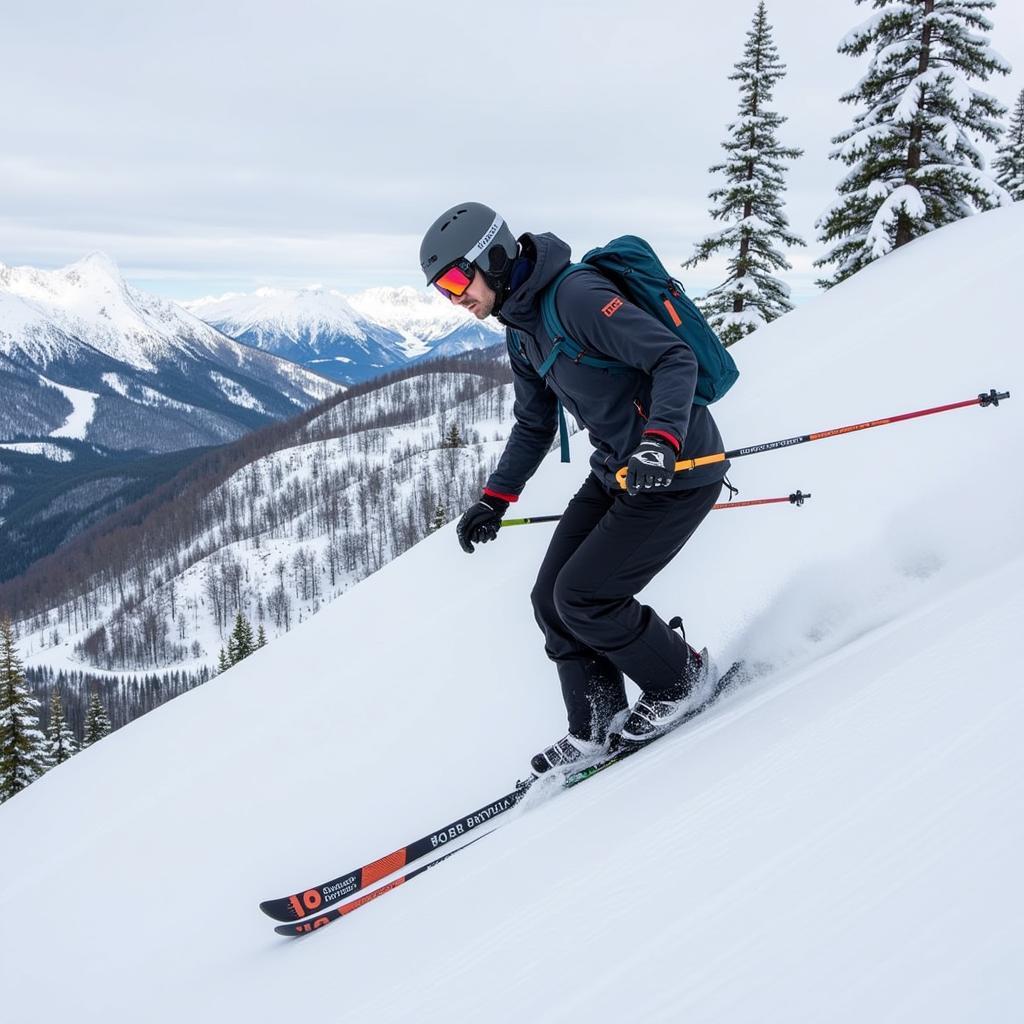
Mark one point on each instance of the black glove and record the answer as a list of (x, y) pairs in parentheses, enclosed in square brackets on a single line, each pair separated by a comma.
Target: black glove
[(480, 523), (652, 465)]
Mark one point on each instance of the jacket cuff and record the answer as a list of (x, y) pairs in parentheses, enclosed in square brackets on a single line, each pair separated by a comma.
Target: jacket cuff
[(665, 436), (497, 494)]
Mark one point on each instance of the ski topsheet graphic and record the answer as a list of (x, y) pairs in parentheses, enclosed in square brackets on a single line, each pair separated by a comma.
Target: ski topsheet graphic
[(300, 905), (330, 914), (311, 909)]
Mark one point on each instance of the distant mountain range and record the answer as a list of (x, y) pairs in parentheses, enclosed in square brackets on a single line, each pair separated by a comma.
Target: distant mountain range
[(84, 355), (349, 338)]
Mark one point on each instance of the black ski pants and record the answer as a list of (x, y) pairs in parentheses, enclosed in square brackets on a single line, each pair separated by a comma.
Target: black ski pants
[(606, 549)]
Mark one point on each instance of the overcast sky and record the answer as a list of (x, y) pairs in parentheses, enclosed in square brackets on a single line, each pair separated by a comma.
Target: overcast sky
[(212, 146)]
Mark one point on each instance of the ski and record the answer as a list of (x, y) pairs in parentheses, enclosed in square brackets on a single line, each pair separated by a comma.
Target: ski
[(312, 901), (335, 913), (307, 911)]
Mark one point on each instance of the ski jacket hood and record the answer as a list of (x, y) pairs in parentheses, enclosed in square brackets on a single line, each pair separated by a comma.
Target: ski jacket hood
[(549, 256)]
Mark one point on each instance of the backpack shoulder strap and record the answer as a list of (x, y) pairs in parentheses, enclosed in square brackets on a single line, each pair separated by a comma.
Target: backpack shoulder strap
[(563, 343), (552, 324)]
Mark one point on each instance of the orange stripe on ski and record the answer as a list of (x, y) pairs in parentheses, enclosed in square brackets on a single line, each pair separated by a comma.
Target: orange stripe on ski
[(379, 868)]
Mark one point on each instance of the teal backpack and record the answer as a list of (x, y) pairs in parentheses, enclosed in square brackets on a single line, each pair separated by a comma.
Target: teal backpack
[(632, 266)]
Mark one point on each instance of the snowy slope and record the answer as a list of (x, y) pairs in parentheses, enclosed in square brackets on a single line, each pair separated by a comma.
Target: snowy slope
[(837, 841)]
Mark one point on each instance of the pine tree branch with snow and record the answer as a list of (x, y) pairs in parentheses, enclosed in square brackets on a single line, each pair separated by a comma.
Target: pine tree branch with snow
[(913, 147), (1009, 165), (750, 202)]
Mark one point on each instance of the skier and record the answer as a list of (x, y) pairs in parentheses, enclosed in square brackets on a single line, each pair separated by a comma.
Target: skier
[(610, 543)]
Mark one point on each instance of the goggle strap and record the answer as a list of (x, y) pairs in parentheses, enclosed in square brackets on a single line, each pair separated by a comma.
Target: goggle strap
[(485, 241)]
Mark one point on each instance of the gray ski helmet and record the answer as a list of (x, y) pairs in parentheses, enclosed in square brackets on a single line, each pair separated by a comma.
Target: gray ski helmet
[(473, 232)]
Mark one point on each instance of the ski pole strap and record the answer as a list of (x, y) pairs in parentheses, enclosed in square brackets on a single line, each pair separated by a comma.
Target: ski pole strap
[(992, 397), (796, 498)]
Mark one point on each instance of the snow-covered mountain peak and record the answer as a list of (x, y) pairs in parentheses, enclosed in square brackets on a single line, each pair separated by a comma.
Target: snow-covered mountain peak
[(313, 325), (88, 299), (84, 326), (424, 319), (94, 273), (95, 264), (348, 337), (290, 309)]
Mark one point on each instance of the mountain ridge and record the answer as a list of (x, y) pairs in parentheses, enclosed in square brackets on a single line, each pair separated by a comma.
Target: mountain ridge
[(350, 337), (83, 326)]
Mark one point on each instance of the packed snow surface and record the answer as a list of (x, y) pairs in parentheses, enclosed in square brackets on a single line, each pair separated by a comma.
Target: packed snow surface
[(83, 408), (838, 840), (234, 392), (53, 452)]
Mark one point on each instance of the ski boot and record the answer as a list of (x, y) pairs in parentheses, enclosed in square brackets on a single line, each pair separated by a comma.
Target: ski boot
[(571, 752), (654, 714)]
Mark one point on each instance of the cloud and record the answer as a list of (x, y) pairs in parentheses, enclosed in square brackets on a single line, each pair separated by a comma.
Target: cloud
[(205, 145)]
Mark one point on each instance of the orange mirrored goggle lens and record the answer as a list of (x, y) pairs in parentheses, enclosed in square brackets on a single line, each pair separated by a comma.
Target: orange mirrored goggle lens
[(454, 281)]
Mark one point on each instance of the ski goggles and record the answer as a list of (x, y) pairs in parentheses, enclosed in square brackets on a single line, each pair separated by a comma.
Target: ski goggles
[(456, 279)]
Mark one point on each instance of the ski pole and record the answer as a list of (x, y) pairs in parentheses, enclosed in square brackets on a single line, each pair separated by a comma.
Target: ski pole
[(796, 498), (992, 398)]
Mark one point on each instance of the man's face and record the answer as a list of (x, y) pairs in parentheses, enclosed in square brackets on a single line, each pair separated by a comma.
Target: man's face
[(478, 298)]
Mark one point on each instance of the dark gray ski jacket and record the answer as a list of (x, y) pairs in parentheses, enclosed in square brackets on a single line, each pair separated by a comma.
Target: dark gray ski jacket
[(616, 408)]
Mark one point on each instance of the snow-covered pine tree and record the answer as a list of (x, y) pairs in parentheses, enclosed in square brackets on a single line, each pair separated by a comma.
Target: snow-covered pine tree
[(22, 746), (914, 163), (233, 638), (751, 199), (1009, 166), (240, 643), (97, 724), (261, 637), (440, 518), (222, 662), (60, 740)]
